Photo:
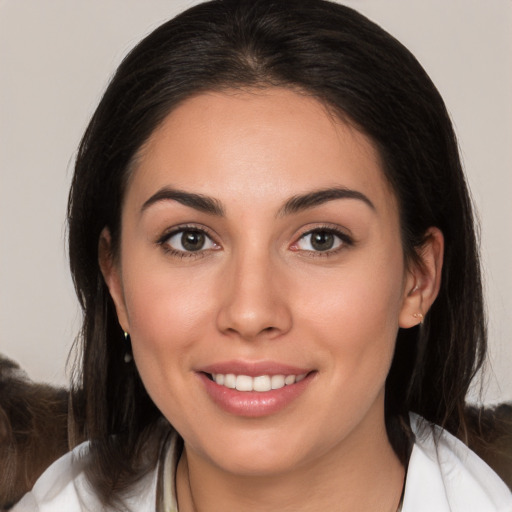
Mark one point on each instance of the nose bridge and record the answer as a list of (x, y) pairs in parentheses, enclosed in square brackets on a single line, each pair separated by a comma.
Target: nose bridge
[(253, 304)]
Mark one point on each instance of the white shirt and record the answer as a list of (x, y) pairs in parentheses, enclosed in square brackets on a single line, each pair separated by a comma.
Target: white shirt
[(443, 475)]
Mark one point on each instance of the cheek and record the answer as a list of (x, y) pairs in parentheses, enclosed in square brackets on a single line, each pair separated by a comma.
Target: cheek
[(166, 312), (354, 312), (360, 296)]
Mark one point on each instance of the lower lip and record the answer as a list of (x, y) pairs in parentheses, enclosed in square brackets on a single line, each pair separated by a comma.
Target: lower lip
[(254, 404)]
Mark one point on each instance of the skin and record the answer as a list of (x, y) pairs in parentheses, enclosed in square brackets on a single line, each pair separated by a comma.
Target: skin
[(260, 291)]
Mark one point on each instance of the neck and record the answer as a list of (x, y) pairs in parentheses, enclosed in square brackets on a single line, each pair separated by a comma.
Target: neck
[(361, 474)]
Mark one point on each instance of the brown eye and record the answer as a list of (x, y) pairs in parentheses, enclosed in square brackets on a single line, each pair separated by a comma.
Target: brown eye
[(322, 240), (189, 240), (192, 240)]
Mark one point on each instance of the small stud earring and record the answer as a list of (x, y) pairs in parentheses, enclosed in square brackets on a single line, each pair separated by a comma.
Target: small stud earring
[(128, 346), (418, 316)]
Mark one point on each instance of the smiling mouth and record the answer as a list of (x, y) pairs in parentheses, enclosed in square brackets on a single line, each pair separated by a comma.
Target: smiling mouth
[(260, 383)]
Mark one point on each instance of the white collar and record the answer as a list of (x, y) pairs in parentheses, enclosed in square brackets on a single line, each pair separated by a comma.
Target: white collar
[(443, 475)]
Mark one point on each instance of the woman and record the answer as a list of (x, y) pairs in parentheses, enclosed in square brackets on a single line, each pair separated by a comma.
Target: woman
[(266, 225)]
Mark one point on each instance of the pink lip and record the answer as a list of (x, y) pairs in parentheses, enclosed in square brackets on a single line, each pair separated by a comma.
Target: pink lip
[(254, 404)]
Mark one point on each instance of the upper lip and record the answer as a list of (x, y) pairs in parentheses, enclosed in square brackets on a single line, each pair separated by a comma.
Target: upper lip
[(253, 368)]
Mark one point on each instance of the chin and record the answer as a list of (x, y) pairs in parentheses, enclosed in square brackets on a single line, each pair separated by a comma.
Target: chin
[(262, 453), (260, 465)]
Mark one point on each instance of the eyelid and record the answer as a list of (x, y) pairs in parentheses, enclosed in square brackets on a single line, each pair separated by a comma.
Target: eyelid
[(345, 237), (170, 232)]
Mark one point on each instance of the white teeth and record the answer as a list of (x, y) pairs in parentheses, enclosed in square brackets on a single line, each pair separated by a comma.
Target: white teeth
[(260, 383), (277, 381), (243, 383), (229, 381), (289, 379)]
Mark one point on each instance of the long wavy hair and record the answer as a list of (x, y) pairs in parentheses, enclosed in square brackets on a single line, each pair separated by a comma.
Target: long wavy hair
[(366, 77)]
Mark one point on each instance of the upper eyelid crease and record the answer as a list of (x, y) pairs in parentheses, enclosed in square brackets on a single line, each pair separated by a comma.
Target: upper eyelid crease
[(342, 236), (333, 228), (164, 239), (345, 237), (185, 227)]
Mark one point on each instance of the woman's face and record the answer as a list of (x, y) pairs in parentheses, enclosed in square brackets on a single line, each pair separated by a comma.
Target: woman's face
[(261, 249)]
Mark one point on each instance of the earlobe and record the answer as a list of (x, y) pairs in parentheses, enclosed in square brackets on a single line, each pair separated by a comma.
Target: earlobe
[(423, 280), (112, 276)]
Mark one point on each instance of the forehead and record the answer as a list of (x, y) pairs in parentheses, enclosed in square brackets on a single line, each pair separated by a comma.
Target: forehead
[(255, 145)]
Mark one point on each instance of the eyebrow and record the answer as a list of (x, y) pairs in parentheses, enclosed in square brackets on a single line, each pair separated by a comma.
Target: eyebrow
[(317, 197), (197, 201), (295, 204)]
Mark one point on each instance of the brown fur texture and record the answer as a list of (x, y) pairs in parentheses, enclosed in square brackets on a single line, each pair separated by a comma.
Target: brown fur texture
[(490, 436), (34, 432)]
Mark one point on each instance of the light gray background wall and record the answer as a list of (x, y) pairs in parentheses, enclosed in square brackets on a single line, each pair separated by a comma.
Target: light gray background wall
[(55, 58)]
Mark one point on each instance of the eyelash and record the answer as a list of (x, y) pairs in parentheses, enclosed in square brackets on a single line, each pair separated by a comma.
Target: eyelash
[(345, 241), (163, 241)]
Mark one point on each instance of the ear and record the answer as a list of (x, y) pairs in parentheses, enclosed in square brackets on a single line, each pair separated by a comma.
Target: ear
[(423, 280), (111, 271)]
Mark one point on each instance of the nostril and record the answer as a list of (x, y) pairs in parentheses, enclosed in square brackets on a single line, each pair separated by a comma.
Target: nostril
[(249, 316)]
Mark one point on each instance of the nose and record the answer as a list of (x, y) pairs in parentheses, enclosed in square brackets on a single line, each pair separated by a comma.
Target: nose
[(254, 299)]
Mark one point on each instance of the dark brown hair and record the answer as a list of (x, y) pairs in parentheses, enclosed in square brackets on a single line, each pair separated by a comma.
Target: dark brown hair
[(367, 77), (33, 430)]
